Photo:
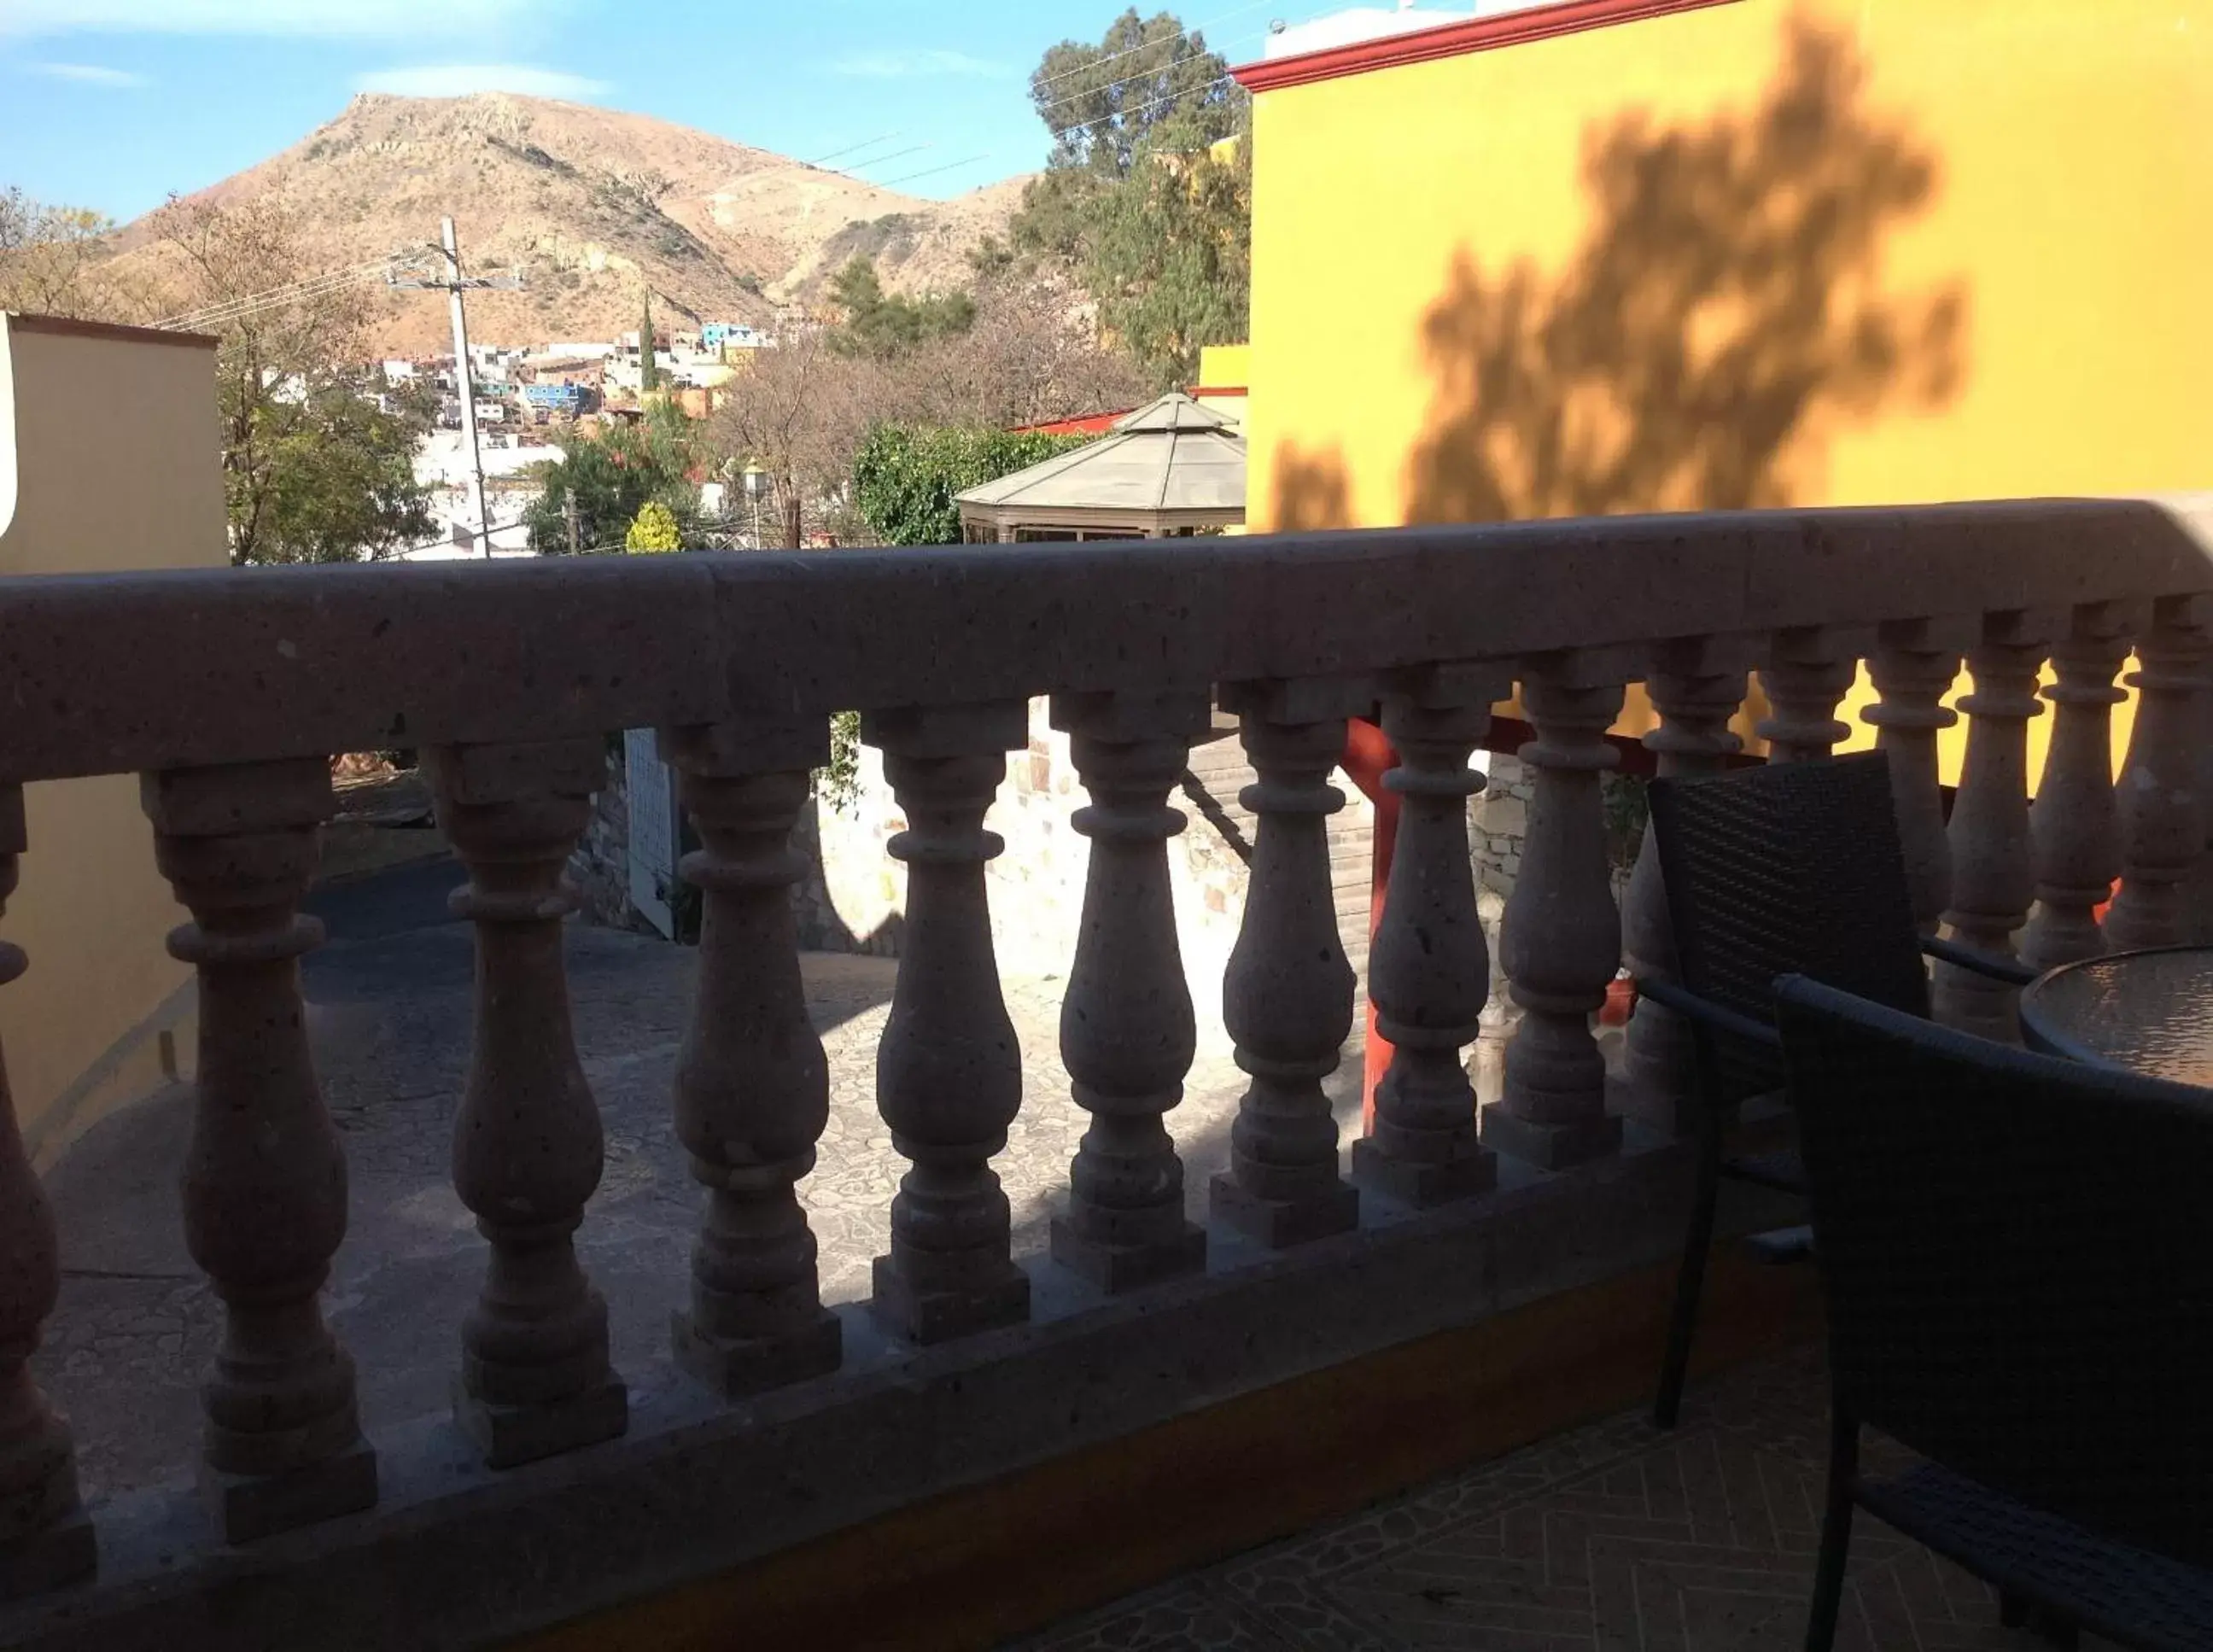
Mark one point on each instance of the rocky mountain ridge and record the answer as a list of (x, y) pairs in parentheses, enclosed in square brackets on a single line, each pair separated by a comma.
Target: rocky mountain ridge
[(591, 207)]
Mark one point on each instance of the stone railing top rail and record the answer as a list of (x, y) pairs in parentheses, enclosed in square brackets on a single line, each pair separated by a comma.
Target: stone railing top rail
[(120, 672)]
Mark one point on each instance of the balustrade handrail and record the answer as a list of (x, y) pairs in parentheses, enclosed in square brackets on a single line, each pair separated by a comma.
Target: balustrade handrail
[(112, 674), (227, 690)]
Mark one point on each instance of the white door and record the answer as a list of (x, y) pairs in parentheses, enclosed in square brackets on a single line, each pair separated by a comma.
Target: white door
[(652, 830)]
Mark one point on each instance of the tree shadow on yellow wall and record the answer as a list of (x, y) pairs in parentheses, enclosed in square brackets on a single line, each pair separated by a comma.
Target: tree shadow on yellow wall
[(1726, 314)]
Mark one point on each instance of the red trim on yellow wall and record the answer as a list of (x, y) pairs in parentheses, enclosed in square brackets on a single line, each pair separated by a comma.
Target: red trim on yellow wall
[(1453, 39)]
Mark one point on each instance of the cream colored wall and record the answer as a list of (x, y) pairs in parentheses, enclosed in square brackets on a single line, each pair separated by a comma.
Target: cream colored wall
[(109, 459)]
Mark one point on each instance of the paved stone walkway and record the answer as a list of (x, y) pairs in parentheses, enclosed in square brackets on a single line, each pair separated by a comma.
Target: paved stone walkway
[(1614, 1538), (389, 1018)]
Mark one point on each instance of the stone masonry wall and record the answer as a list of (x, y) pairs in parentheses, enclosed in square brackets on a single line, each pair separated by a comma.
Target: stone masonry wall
[(1498, 821), (1498, 826), (600, 867)]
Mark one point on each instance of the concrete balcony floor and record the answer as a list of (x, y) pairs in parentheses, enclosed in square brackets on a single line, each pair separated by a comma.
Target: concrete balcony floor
[(1611, 1538)]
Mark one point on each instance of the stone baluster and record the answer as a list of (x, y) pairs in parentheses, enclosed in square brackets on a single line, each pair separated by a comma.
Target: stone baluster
[(1696, 685), (1286, 995), (949, 1071), (2162, 810), (45, 1539), (527, 1149), (753, 1085), (1127, 1034), (2073, 824), (1993, 865), (1428, 971), (264, 1185), (1562, 940), (1914, 665), (1808, 674)]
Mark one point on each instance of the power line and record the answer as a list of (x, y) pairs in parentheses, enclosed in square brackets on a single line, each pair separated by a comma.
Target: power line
[(881, 138), (1219, 80), (303, 293), (268, 293), (1052, 79), (928, 172), (894, 155), (307, 288), (854, 168), (222, 309), (1131, 52), (433, 544), (1171, 97)]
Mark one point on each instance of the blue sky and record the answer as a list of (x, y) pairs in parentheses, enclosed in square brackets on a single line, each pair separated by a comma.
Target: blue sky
[(113, 104)]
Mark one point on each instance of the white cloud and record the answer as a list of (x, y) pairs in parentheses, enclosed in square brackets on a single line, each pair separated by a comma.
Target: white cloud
[(455, 79), (356, 19), (89, 74), (899, 65)]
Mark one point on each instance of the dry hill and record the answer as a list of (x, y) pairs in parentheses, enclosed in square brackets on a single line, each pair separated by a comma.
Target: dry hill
[(588, 203)]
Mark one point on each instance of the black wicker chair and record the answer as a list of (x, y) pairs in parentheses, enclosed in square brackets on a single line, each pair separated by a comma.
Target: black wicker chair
[(1784, 869), (2017, 1256)]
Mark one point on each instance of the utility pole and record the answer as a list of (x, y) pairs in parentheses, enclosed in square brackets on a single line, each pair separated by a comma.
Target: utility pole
[(569, 519), (464, 381)]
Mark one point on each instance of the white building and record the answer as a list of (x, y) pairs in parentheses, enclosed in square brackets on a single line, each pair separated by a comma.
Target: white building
[(442, 464), (1358, 23)]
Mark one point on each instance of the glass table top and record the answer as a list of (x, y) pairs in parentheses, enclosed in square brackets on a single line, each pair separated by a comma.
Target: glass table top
[(2149, 1012)]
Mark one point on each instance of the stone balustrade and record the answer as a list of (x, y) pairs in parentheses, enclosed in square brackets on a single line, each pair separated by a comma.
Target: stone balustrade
[(227, 692)]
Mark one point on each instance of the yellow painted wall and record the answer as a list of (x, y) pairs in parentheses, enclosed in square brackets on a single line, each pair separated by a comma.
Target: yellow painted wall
[(1774, 251), (1223, 367), (109, 459), (1589, 273)]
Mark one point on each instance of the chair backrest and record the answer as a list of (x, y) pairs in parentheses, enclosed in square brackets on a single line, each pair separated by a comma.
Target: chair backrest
[(2017, 1256), (1781, 870)]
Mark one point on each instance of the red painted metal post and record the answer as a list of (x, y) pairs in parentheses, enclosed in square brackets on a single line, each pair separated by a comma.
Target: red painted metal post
[(1367, 756)]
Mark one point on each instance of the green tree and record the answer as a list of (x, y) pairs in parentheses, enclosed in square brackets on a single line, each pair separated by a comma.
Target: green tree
[(654, 529), (610, 477), (857, 293), (1148, 84), (337, 482), (1170, 260), (838, 782), (315, 470), (904, 480), (648, 370), (905, 476), (881, 325), (1134, 205)]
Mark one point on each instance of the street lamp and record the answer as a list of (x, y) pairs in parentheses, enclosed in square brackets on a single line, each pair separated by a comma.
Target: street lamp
[(756, 484)]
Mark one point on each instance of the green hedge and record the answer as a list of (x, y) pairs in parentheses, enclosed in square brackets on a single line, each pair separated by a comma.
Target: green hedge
[(905, 476)]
